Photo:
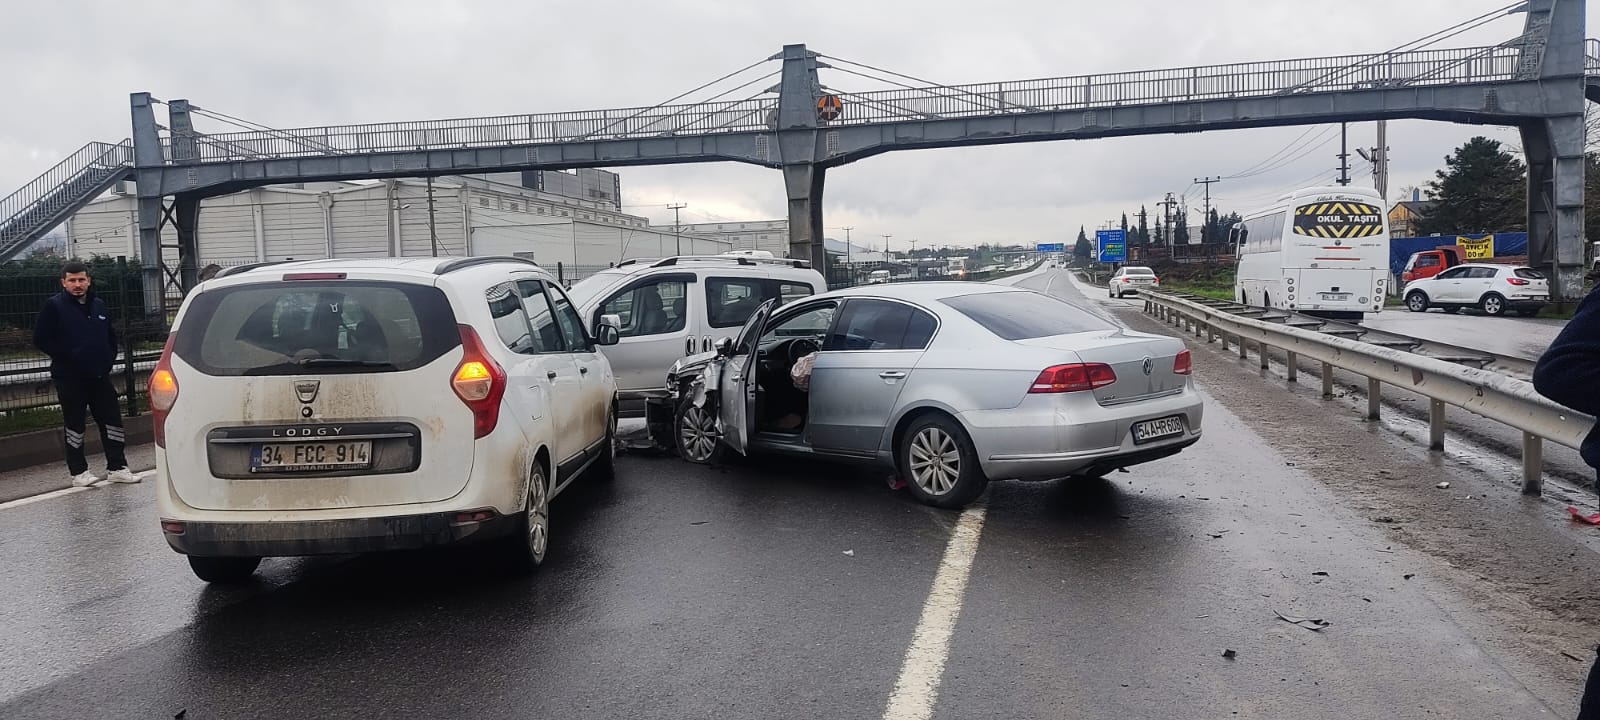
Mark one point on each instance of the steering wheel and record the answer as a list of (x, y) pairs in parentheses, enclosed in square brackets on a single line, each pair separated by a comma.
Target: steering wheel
[(799, 348)]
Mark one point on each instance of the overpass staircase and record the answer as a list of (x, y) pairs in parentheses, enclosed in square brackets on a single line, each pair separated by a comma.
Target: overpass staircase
[(28, 214)]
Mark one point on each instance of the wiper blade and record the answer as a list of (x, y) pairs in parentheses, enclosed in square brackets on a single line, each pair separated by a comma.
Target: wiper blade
[(342, 362)]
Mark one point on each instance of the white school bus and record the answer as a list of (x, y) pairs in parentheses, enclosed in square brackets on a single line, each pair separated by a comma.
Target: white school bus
[(1321, 251)]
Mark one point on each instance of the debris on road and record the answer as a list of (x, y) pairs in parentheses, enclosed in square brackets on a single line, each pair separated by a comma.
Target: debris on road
[(1410, 575), (851, 553), (1229, 654), (1323, 573), (1571, 656), (1313, 624), (700, 522), (1577, 515), (1443, 486)]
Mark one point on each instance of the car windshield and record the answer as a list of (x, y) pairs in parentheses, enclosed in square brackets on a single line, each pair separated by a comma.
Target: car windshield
[(593, 286), (1024, 315), (1137, 271)]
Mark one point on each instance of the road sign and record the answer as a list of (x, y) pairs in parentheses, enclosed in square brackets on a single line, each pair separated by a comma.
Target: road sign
[(829, 107), (1113, 245), (1051, 247)]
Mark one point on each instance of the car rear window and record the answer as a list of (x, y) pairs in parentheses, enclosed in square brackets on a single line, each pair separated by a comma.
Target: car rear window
[(1137, 271), (1024, 315), (1529, 274), (295, 328)]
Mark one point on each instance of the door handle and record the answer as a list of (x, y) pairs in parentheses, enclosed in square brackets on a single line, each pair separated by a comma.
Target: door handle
[(705, 344), (550, 374), (688, 345), (891, 375)]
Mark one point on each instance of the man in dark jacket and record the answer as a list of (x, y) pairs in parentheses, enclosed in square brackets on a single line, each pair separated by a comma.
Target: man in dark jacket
[(76, 332), (1569, 373)]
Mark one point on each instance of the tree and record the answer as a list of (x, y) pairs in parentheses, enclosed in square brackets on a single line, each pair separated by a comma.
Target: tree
[(1125, 227), (1180, 227), (1083, 249), (1481, 189), (1213, 232), (1144, 229)]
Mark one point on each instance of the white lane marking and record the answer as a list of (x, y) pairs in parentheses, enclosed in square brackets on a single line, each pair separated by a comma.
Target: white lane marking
[(29, 500), (923, 668), (19, 502)]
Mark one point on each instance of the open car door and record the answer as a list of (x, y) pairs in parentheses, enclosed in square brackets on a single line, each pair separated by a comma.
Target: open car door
[(736, 388)]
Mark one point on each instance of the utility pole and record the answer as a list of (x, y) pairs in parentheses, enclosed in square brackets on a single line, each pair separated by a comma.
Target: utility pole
[(1166, 222), (433, 233), (1344, 155), (677, 228), (847, 230), (1205, 216), (886, 246)]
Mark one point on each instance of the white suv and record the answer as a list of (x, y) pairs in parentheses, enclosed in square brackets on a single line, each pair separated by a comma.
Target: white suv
[(340, 406), (675, 307)]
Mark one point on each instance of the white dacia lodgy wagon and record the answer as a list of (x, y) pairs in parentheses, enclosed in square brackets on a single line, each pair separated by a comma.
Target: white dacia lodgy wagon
[(355, 405)]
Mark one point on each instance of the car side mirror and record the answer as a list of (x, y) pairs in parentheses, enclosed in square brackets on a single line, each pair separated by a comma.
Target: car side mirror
[(607, 335), (723, 346)]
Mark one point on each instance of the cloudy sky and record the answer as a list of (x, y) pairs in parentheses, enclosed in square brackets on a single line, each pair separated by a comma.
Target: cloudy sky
[(297, 63)]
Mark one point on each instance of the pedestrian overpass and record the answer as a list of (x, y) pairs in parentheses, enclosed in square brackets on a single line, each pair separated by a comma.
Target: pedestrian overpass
[(1537, 81)]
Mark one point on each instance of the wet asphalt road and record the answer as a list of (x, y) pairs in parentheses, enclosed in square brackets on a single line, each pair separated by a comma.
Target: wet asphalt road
[(681, 591), (1519, 337)]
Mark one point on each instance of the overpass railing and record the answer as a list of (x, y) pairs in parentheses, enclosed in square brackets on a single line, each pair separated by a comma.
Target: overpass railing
[(89, 159), (1487, 393), (1235, 80)]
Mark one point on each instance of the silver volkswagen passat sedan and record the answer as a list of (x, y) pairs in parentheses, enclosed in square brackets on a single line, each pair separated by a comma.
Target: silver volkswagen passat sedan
[(950, 384)]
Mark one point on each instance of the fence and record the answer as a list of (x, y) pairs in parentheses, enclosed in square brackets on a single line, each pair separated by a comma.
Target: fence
[(1490, 394), (25, 386)]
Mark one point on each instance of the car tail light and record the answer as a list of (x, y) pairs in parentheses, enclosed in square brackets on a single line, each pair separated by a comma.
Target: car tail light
[(1155, 281), (1076, 377), (163, 393), (1183, 364), (1126, 280), (479, 382), (1516, 281)]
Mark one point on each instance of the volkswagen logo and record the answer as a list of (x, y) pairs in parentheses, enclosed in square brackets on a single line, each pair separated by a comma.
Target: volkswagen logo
[(306, 390), (1149, 366)]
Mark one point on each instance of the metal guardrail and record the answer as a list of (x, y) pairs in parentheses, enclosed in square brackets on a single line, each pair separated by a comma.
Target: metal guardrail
[(1591, 56), (1518, 367), (1490, 394)]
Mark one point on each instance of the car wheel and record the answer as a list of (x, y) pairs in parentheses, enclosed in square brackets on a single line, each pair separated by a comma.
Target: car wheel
[(1416, 301), (527, 547), (605, 467), (939, 464), (699, 440), (1493, 304), (223, 570)]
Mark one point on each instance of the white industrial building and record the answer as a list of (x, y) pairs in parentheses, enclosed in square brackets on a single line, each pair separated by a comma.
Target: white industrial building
[(452, 216), (769, 235)]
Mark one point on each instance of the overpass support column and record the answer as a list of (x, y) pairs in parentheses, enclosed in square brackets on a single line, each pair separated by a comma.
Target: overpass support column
[(1554, 149), (186, 218), (803, 184), (147, 161)]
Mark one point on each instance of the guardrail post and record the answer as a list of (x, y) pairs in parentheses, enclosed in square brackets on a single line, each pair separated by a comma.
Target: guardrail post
[(1292, 361), (1243, 353), (1436, 425), (1327, 381), (128, 390), (1262, 348), (1374, 398), (1532, 464)]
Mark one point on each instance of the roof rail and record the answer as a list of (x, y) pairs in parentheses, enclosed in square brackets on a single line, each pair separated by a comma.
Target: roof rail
[(240, 269), (455, 264), (733, 259)]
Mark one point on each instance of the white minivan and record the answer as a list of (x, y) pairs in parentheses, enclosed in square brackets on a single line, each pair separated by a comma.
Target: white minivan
[(675, 307), (353, 405)]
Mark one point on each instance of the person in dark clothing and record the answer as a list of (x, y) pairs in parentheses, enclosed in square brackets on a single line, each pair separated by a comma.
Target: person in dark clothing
[(76, 332), (1569, 373)]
